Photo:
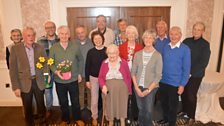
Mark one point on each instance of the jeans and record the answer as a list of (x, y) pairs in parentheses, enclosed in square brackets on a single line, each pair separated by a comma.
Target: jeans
[(62, 92), (145, 107), (49, 98)]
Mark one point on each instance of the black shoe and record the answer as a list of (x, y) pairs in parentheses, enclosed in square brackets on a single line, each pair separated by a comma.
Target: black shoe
[(162, 122)]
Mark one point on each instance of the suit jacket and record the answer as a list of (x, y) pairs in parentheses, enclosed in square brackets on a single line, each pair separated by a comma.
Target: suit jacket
[(20, 74)]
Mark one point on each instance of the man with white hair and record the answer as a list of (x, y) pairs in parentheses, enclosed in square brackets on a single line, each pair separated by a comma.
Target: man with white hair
[(175, 75)]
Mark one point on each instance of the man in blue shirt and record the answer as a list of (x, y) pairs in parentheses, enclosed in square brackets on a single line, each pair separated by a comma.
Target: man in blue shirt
[(175, 75)]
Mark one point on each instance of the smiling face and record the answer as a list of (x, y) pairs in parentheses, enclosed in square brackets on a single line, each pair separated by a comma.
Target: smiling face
[(98, 40), (101, 22), (50, 28), (81, 33), (149, 40), (63, 34), (122, 26), (198, 30), (161, 28), (175, 35), (112, 53), (16, 36)]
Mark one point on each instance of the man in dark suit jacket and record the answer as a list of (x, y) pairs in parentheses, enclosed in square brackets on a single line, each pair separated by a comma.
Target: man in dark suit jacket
[(28, 80)]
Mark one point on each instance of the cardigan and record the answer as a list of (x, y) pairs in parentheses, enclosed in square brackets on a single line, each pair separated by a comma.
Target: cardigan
[(123, 69)]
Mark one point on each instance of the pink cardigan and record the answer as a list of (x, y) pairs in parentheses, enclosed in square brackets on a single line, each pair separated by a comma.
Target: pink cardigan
[(124, 69)]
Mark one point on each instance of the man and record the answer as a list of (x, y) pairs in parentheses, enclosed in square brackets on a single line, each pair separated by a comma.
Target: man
[(67, 51), (176, 71), (28, 80), (200, 54), (85, 45), (47, 41), (120, 36), (102, 28), (162, 38)]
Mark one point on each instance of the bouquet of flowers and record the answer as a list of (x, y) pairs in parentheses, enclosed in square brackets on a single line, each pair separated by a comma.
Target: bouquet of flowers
[(65, 68), (40, 65)]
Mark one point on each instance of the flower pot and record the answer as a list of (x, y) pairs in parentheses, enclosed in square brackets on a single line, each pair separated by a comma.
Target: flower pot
[(67, 75)]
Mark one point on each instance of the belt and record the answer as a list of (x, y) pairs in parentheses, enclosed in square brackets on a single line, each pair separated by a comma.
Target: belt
[(33, 77)]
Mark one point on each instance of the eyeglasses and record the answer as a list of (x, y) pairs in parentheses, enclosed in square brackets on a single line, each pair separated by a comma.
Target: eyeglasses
[(50, 27)]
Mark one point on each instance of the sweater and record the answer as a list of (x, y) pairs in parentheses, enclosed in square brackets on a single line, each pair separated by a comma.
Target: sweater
[(159, 45), (71, 53), (200, 54), (176, 65), (93, 62)]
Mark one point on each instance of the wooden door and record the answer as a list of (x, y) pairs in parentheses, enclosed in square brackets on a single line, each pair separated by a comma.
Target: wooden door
[(87, 16), (142, 17)]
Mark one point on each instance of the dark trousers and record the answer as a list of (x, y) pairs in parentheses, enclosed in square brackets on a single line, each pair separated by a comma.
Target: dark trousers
[(169, 100), (27, 99), (189, 97), (62, 92)]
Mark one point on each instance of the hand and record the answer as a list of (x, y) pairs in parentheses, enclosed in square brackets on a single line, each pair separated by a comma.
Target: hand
[(79, 78), (58, 73), (104, 90), (88, 85), (139, 92), (146, 92), (17, 92), (180, 90)]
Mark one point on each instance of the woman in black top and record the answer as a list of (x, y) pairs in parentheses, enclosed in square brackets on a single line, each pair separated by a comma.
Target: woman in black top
[(95, 57)]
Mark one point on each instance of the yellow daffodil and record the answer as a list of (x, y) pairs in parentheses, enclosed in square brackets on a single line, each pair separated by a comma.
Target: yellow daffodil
[(41, 59), (39, 65), (50, 61)]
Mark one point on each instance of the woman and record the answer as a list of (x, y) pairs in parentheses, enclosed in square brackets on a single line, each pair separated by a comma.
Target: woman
[(130, 47), (146, 74), (16, 37), (95, 57), (115, 82)]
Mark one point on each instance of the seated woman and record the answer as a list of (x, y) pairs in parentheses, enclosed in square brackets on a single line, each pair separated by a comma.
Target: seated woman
[(115, 81), (146, 74)]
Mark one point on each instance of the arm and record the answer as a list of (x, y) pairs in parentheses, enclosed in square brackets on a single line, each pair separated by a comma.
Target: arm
[(102, 78), (13, 72), (80, 64)]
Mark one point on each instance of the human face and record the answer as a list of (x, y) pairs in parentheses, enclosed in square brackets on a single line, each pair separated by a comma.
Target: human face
[(175, 36), (50, 29), (161, 29), (29, 37), (122, 26), (198, 31), (81, 33), (148, 40), (131, 35), (16, 37), (112, 55), (64, 35), (101, 23), (98, 41)]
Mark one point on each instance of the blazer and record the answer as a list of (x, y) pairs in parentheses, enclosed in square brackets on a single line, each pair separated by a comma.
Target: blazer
[(20, 74), (153, 70)]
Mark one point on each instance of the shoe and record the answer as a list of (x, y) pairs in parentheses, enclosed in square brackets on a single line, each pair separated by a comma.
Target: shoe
[(190, 122), (63, 123), (94, 122), (80, 123), (181, 114), (48, 114), (162, 122)]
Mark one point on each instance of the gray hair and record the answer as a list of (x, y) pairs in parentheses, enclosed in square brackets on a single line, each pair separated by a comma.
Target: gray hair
[(132, 28), (149, 32), (176, 28), (200, 23), (63, 27), (113, 47)]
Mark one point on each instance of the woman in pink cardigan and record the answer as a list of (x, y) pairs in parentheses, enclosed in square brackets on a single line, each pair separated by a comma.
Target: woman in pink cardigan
[(115, 82)]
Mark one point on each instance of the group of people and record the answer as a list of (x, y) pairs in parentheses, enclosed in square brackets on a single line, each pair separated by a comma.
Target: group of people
[(114, 65)]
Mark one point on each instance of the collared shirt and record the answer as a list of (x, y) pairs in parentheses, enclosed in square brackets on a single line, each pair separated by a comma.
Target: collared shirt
[(30, 56), (165, 37), (176, 45)]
